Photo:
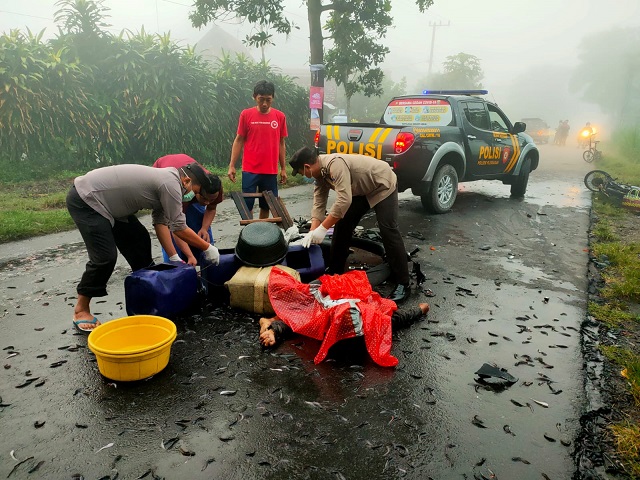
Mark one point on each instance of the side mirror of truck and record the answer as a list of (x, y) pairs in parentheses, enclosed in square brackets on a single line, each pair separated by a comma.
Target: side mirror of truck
[(519, 127)]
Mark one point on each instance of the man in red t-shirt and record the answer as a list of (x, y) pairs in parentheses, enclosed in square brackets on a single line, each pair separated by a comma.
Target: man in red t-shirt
[(261, 133), (200, 211)]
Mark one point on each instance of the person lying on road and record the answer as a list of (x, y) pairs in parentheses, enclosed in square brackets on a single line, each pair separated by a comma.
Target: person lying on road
[(333, 308)]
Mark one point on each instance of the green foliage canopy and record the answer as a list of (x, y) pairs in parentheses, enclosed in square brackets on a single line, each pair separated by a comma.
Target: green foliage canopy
[(128, 98), (266, 14), (354, 27), (353, 62), (460, 72)]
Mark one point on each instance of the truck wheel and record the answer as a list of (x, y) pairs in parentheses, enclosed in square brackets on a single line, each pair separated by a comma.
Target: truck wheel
[(443, 191), (519, 186)]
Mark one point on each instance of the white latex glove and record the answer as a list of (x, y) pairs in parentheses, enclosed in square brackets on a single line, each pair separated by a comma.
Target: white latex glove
[(175, 258), (212, 255), (314, 236)]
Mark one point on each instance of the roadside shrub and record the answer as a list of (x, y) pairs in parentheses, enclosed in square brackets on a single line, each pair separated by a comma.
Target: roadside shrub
[(627, 141), (44, 101), (88, 98)]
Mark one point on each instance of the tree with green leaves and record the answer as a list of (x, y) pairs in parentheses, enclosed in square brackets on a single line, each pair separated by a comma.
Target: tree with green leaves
[(86, 18), (460, 72), (370, 109), (354, 27), (463, 71), (353, 62)]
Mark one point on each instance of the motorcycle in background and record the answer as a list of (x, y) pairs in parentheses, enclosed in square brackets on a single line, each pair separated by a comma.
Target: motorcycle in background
[(585, 136), (592, 153)]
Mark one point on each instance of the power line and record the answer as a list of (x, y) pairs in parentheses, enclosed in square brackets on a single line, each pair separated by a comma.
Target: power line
[(292, 14), (178, 3), (25, 15)]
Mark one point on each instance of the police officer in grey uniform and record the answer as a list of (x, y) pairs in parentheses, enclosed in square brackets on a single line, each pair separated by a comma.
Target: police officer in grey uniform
[(103, 204)]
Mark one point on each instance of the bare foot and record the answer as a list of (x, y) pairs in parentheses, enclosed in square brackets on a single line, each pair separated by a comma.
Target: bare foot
[(424, 307), (267, 336)]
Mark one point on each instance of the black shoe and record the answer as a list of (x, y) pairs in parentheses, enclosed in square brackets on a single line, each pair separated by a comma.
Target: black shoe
[(401, 293)]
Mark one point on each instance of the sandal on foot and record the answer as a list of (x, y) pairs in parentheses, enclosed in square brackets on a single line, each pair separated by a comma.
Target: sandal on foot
[(93, 321)]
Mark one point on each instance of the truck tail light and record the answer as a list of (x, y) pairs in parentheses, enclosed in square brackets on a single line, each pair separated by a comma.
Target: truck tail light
[(316, 139), (404, 140)]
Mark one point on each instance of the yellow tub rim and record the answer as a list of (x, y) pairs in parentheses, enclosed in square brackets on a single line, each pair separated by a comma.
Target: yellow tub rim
[(127, 322)]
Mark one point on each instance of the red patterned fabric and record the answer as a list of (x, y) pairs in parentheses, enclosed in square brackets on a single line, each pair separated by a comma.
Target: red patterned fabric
[(296, 306)]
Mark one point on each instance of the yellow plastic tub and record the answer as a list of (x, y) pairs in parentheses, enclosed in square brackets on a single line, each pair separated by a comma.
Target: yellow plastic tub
[(133, 348)]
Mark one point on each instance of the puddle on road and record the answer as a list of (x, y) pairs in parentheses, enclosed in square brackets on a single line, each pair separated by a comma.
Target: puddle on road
[(528, 274), (563, 193)]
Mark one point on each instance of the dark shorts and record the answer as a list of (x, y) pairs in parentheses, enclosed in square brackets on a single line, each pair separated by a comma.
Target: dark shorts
[(259, 182)]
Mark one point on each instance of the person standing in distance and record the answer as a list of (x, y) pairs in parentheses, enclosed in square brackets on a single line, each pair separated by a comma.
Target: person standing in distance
[(360, 183), (103, 204), (260, 138), (200, 211)]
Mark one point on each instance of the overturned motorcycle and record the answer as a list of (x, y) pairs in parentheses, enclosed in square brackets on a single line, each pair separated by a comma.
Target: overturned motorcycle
[(627, 196)]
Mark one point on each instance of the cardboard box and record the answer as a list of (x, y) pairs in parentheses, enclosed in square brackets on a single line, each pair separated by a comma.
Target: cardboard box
[(249, 288)]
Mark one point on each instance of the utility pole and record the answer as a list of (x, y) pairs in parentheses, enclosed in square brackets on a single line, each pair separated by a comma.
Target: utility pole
[(433, 26), (157, 19)]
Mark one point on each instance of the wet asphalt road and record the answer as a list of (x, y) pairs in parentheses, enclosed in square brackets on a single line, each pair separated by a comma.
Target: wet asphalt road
[(509, 278)]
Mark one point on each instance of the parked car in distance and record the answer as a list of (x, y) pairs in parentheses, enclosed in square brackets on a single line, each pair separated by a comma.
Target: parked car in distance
[(538, 129), (340, 117)]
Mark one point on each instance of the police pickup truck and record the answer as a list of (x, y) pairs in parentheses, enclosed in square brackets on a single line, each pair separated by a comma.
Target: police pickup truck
[(436, 140)]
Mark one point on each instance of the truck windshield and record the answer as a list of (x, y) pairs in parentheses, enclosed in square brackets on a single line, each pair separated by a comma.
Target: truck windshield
[(422, 112)]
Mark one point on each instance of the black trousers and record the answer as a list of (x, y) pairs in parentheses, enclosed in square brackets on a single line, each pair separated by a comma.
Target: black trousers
[(401, 318), (103, 241), (387, 217)]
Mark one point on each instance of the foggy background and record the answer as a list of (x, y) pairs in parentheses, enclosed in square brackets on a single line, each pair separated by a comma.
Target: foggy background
[(527, 49)]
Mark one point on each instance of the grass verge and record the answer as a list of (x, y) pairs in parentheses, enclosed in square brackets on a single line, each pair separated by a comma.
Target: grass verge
[(627, 440), (616, 249)]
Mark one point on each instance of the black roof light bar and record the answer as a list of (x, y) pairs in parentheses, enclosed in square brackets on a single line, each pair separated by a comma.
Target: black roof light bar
[(455, 92)]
